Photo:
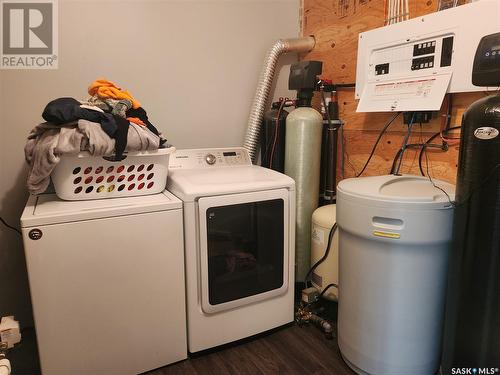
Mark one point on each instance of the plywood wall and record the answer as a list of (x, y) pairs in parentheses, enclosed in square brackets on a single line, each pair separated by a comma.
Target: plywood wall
[(336, 24)]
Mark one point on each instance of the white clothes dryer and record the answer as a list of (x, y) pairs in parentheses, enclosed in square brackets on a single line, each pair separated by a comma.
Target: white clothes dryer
[(239, 222)]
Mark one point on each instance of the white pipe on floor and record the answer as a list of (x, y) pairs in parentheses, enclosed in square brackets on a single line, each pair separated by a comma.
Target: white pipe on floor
[(5, 368)]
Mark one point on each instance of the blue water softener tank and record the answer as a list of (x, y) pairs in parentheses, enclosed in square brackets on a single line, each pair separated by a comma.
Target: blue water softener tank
[(472, 325), (394, 242)]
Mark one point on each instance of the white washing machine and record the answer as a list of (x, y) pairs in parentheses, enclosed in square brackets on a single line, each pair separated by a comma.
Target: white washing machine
[(107, 283), (239, 222)]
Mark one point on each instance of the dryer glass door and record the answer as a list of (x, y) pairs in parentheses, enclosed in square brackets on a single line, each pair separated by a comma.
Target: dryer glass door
[(244, 248)]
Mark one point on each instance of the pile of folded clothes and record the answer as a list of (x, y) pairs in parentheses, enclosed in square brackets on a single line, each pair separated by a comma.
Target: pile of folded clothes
[(109, 123)]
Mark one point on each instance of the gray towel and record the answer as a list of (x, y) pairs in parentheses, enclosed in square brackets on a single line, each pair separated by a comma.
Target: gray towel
[(95, 141), (141, 138), (47, 142)]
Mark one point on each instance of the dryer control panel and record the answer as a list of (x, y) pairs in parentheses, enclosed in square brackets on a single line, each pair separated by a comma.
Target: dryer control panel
[(209, 158)]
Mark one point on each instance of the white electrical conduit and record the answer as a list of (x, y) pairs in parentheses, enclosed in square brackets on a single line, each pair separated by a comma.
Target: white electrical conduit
[(397, 11), (391, 12), (264, 87), (5, 367)]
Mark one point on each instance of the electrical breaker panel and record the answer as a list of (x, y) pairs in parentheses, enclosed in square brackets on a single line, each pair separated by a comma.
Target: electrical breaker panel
[(425, 54), (409, 66)]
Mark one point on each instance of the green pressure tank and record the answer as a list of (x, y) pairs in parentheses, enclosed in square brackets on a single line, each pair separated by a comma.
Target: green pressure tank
[(304, 127)]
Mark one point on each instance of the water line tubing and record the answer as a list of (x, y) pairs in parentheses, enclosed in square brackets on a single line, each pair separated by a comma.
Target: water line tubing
[(258, 107), (5, 368)]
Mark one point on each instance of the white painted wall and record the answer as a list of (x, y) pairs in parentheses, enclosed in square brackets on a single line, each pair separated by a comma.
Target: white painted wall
[(193, 65)]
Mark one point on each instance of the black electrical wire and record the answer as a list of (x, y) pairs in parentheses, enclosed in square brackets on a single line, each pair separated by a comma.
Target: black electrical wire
[(271, 140), (276, 132), (421, 156), (10, 226), (377, 141), (327, 251), (432, 181), (484, 181), (344, 85), (448, 114), (405, 144), (326, 108), (411, 145), (326, 288), (396, 158)]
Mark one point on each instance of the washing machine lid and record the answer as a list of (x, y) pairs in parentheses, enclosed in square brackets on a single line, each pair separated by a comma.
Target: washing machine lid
[(49, 209), (191, 184), (405, 189)]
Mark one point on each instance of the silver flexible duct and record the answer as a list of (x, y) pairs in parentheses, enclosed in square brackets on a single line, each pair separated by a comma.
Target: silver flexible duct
[(264, 87)]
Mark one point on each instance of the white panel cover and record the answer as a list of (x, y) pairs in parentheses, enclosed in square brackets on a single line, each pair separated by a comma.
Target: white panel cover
[(413, 50)]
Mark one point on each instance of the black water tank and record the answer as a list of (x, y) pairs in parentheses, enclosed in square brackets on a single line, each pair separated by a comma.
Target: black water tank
[(269, 148), (472, 324)]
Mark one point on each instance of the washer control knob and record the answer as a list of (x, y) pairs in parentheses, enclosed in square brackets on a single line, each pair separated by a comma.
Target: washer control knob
[(210, 159)]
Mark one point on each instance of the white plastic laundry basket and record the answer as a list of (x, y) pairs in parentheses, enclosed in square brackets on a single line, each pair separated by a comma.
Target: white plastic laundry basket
[(84, 176)]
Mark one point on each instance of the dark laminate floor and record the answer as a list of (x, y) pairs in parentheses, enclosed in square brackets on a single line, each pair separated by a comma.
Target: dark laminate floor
[(291, 350)]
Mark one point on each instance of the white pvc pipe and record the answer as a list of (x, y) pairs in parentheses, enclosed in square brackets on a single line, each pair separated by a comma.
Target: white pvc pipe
[(389, 12), (392, 8), (5, 368)]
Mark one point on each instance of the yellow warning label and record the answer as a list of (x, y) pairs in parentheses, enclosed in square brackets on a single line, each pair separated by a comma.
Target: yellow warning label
[(386, 234)]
